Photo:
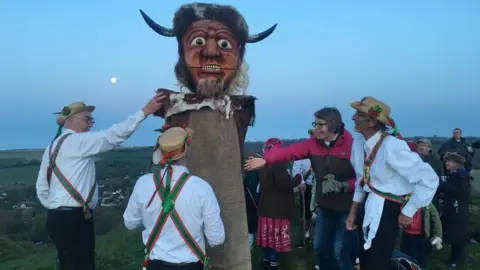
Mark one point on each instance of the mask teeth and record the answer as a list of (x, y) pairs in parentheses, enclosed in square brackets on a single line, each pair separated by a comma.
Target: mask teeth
[(211, 67)]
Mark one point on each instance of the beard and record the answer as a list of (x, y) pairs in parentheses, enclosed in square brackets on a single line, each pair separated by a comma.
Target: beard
[(210, 88)]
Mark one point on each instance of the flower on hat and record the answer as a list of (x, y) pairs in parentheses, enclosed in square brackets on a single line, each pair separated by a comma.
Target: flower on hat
[(375, 111), (66, 111)]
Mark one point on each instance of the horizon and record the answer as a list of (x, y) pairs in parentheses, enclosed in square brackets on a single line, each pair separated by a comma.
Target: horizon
[(420, 57)]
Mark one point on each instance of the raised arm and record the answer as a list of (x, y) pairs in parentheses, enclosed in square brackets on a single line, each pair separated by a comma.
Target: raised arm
[(415, 171), (91, 143), (297, 151)]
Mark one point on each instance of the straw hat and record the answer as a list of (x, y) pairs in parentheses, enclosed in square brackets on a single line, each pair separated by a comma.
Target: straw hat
[(72, 109), (378, 110), (172, 144)]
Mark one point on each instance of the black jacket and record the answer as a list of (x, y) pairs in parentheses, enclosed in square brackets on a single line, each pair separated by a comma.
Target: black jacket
[(455, 210), (461, 148)]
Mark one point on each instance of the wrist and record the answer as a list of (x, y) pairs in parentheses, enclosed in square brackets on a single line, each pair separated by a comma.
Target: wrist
[(146, 112)]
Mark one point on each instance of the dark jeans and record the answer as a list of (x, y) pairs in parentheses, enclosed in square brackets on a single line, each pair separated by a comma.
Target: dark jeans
[(379, 255), (417, 247), (333, 242), (161, 265), (74, 238)]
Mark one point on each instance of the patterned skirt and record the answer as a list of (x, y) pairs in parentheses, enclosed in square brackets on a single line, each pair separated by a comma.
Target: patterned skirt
[(274, 233)]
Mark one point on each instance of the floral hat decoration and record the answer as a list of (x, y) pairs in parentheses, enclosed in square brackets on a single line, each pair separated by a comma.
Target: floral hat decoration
[(72, 109), (378, 110), (172, 144)]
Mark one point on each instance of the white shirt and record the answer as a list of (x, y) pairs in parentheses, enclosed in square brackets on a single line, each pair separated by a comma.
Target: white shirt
[(196, 205), (76, 162), (301, 167), (396, 170)]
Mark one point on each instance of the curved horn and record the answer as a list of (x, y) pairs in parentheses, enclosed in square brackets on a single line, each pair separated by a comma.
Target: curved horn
[(261, 36), (166, 32)]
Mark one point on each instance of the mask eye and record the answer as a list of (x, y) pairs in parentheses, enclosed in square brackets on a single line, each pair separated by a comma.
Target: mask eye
[(198, 41), (224, 44)]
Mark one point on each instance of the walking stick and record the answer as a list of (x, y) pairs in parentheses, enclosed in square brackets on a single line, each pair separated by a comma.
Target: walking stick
[(303, 217)]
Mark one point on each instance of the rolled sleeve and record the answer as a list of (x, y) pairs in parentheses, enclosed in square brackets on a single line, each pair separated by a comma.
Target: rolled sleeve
[(424, 179)]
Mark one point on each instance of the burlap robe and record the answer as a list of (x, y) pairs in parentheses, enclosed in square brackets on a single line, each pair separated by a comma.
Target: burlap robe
[(214, 155)]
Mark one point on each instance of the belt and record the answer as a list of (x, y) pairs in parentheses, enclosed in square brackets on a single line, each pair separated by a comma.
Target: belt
[(160, 262), (68, 208)]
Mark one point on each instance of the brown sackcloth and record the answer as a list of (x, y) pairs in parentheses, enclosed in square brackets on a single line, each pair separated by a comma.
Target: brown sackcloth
[(214, 155)]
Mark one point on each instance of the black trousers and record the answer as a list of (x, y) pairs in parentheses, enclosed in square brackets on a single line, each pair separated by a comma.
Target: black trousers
[(161, 265), (458, 254), (380, 253), (74, 238)]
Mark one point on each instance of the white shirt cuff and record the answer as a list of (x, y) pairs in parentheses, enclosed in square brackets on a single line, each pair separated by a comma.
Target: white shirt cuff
[(359, 196), (409, 210)]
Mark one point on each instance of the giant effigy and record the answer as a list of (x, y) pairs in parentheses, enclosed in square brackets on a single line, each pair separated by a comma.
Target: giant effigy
[(213, 77)]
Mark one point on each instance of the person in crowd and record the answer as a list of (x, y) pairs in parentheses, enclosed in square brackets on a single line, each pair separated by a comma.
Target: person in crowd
[(329, 150), (302, 169), (177, 210), (276, 208), (462, 147), (456, 191), (424, 149), (424, 232), (66, 183), (251, 185), (387, 172)]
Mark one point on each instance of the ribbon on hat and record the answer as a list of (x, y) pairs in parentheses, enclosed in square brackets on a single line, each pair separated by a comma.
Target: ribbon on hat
[(395, 131), (167, 156), (66, 111)]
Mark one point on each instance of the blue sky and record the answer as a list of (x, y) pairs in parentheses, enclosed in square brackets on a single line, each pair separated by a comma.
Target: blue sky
[(420, 57)]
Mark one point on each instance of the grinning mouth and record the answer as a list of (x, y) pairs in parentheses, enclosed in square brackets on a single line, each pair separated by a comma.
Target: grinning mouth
[(210, 68)]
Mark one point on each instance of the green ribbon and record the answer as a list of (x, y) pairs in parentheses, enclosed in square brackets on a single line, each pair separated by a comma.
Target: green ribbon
[(59, 131)]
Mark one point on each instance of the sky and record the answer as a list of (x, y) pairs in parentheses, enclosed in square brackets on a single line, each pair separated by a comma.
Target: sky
[(420, 57)]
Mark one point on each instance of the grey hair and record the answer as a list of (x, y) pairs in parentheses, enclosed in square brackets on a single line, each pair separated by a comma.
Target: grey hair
[(332, 116)]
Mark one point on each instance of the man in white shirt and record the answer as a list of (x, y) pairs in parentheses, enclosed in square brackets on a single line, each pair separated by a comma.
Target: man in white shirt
[(302, 169), (176, 209), (66, 183), (392, 183)]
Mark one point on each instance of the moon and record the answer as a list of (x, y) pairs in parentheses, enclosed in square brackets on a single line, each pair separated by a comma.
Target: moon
[(113, 80)]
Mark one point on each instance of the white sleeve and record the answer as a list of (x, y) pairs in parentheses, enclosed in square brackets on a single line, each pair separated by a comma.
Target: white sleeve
[(415, 171), (133, 213), (213, 224), (359, 193), (42, 186), (91, 143)]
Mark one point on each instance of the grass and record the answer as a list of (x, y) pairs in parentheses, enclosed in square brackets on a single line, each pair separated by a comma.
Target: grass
[(11, 177), (123, 250)]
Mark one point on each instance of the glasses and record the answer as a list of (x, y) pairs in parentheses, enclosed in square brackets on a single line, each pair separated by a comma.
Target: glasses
[(318, 125)]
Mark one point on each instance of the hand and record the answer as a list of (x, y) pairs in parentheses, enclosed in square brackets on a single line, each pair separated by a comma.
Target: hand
[(254, 163), (404, 221), (437, 242), (154, 104), (350, 222), (470, 149), (302, 187), (328, 187)]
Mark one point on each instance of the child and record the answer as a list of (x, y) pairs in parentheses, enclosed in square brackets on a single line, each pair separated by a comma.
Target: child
[(425, 230), (456, 191), (250, 184)]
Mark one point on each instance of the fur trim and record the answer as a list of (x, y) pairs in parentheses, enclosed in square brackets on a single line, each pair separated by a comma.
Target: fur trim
[(228, 15)]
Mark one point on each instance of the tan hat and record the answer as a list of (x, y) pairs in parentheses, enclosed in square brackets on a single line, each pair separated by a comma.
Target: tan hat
[(172, 144), (378, 110), (72, 109)]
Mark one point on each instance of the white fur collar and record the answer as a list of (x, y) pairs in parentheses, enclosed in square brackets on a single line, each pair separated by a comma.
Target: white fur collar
[(221, 103)]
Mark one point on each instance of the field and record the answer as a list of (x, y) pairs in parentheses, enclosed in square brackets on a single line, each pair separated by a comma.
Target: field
[(120, 249)]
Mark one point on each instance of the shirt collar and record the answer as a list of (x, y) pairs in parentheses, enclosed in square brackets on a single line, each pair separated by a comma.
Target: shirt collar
[(67, 130), (370, 143)]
